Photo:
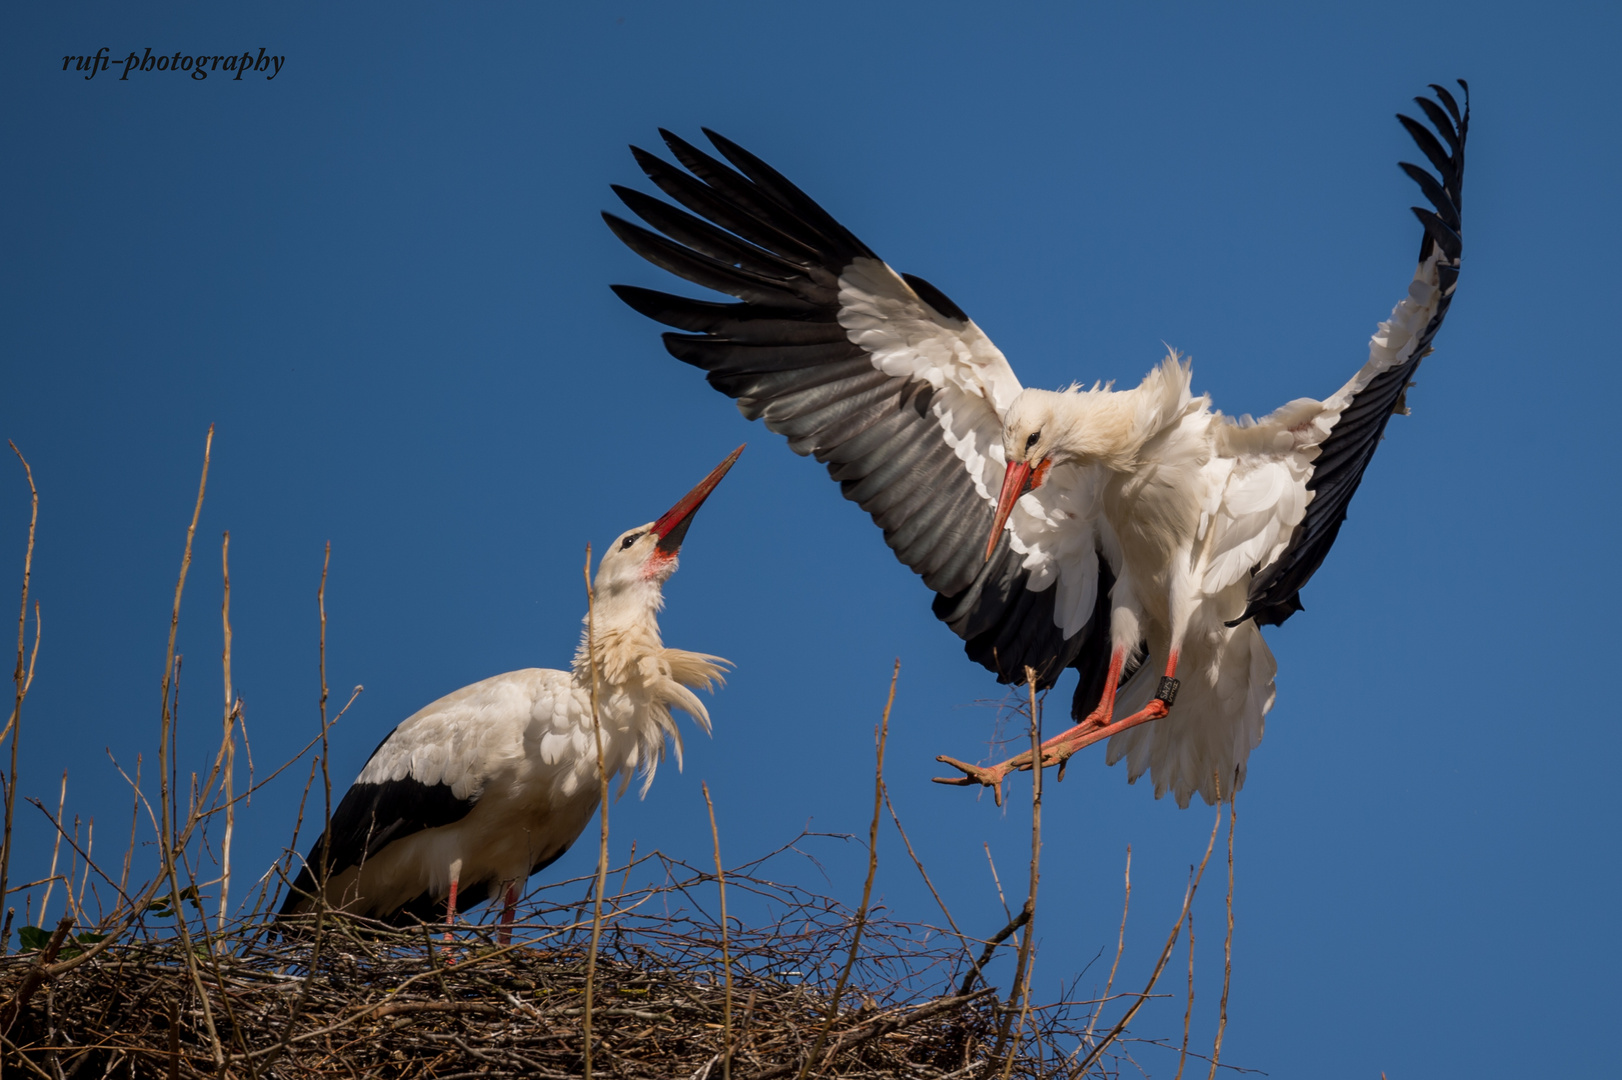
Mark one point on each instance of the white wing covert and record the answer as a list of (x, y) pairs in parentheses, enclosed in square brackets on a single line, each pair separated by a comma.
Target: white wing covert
[(429, 771)]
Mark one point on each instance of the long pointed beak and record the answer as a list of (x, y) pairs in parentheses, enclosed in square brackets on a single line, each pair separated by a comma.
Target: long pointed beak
[(673, 525), (1013, 486)]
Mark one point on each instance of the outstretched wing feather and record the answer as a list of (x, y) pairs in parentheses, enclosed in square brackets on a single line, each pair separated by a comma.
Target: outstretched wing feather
[(796, 354), (1358, 414)]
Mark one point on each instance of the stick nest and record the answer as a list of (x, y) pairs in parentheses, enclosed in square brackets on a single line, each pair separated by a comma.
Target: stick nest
[(341, 997)]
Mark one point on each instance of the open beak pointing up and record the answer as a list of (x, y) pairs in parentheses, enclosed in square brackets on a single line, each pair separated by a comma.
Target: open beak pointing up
[(673, 525), (1016, 481)]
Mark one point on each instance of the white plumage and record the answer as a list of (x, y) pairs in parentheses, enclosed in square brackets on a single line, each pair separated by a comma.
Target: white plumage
[(1131, 533), (489, 784)]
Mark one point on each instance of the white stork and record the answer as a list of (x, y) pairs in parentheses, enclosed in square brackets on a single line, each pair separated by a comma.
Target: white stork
[(488, 785), (1132, 533)]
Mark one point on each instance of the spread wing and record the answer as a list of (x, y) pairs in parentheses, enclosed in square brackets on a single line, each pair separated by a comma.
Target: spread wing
[(886, 381), (1293, 475)]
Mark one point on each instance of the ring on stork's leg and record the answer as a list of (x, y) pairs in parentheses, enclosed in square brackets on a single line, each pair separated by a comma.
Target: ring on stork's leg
[(1168, 690)]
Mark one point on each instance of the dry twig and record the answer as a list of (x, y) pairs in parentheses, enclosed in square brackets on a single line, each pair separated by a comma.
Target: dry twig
[(881, 737)]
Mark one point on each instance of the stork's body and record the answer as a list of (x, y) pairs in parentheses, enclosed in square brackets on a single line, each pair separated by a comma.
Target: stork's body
[(1139, 536), (474, 793)]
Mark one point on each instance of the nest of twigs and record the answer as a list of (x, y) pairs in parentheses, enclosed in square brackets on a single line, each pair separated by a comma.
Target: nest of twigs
[(669, 995)]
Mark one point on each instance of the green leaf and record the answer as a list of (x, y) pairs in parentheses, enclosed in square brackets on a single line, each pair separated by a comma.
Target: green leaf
[(32, 938), (90, 938)]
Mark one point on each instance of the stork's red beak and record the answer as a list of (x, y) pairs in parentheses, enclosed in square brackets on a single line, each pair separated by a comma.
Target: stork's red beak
[(673, 525), (1016, 481)]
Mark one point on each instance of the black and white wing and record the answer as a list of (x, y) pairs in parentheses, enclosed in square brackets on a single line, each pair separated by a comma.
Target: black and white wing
[(1294, 474), (886, 381), (430, 771)]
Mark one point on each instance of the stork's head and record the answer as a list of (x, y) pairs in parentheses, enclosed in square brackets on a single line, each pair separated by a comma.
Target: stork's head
[(1031, 437), (641, 560)]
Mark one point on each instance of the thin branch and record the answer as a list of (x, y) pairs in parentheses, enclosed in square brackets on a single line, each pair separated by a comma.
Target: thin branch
[(21, 678), (1003, 900), (37, 974), (883, 735), (1227, 945), (1120, 946), (56, 848), (907, 843), (1160, 965), (602, 797), (1022, 969), (232, 711), (326, 772), (1188, 1010), (991, 947), (62, 833), (726, 954)]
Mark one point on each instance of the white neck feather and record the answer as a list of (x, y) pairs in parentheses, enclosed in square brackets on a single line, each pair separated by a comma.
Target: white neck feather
[(1110, 427), (638, 680)]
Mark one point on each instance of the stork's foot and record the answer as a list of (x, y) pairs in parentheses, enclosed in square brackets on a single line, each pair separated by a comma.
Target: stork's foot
[(1056, 751), (991, 777)]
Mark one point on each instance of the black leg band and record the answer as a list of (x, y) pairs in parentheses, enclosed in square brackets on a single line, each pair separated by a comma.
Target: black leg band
[(1167, 691)]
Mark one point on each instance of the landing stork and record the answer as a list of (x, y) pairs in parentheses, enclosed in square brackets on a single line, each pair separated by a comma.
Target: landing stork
[(1137, 536), (470, 796)]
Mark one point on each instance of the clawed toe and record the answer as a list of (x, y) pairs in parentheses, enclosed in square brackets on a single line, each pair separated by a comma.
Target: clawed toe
[(1057, 750), (975, 774)]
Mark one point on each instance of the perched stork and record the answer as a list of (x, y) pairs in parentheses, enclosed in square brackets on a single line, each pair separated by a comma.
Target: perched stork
[(488, 785), (1132, 533)]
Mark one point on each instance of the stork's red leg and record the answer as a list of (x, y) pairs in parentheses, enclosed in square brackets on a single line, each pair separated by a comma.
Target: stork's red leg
[(450, 908), (508, 911), (1099, 725)]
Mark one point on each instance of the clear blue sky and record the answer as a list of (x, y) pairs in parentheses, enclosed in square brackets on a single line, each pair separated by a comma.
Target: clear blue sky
[(383, 277)]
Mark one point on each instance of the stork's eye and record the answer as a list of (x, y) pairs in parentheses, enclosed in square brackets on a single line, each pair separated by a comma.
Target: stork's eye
[(1030, 441), (629, 540)]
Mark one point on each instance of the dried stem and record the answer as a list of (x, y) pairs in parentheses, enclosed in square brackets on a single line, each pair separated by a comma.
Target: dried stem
[(56, 848), (907, 843), (22, 679), (326, 773), (602, 798), (166, 834), (991, 948), (1022, 969), (319, 931), (1227, 945), (232, 710), (726, 953), (1160, 965), (997, 881), (168, 841), (883, 735), (135, 818), (1120, 947), (1188, 1010)]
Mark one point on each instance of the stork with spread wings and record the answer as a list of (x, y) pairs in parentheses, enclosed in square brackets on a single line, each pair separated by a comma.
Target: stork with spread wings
[(1136, 535)]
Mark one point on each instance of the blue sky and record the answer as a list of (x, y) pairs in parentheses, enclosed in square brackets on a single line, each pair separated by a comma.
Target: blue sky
[(382, 276)]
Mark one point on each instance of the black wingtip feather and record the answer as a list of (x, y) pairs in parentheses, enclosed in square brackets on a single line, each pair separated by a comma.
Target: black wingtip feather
[(1439, 121), (1447, 100), (1338, 470), (1431, 147), (1433, 191), (786, 192), (1439, 231)]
